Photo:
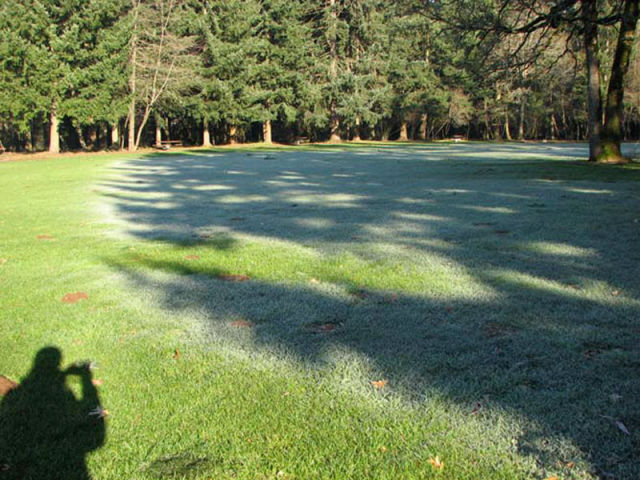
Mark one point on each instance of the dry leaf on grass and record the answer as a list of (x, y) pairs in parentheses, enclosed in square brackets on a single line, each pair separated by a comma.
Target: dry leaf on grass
[(176, 354), (97, 382), (75, 297), (192, 257), (436, 463), (552, 478), (99, 412), (242, 324), (6, 385), (379, 384), (234, 278), (622, 427), (3, 261), (44, 237)]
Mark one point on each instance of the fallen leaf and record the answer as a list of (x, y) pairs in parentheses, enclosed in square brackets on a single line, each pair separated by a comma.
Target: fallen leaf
[(379, 384), (3, 261), (234, 278), (97, 382), (383, 449), (436, 463), (75, 297), (552, 478), (44, 237), (592, 352), (622, 427), (571, 464), (192, 257), (242, 324), (176, 354), (6, 385), (99, 412), (476, 409), (327, 327)]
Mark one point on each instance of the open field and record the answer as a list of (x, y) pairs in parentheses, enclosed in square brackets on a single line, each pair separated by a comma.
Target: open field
[(240, 303)]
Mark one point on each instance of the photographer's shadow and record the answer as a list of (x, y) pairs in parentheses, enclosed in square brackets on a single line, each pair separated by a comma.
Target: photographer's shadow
[(45, 431)]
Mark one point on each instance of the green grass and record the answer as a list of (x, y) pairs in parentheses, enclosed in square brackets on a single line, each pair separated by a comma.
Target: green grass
[(500, 276)]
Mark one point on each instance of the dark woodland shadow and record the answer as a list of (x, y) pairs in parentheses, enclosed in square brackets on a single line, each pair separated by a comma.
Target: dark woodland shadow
[(554, 356), (45, 431)]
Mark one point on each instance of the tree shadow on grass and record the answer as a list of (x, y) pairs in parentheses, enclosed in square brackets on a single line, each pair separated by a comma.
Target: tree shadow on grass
[(545, 326), (45, 431)]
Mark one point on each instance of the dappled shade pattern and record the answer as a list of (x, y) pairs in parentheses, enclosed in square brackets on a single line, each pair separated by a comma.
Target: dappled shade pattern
[(529, 300)]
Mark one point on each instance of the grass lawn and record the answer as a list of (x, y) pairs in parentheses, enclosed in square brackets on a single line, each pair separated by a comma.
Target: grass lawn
[(467, 311)]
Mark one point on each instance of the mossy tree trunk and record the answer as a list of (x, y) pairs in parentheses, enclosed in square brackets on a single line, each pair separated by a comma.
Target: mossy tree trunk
[(612, 129)]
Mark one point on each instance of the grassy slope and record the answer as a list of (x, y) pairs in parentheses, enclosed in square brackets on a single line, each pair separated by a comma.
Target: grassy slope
[(280, 397)]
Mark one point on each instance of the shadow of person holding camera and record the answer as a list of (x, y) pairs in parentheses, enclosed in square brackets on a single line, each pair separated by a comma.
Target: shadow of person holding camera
[(45, 431)]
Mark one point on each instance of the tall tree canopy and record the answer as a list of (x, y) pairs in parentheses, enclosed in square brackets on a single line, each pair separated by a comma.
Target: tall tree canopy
[(77, 73)]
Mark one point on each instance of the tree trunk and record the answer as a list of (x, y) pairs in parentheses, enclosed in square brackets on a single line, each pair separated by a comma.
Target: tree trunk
[(522, 112), (83, 143), (554, 126), (132, 86), (404, 135), (233, 132), (334, 124), (334, 120), (612, 131), (115, 137), (54, 135), (594, 97), (487, 122), (266, 132), (384, 131), (158, 135), (94, 137), (356, 130), (132, 126), (507, 130), (206, 136), (422, 131)]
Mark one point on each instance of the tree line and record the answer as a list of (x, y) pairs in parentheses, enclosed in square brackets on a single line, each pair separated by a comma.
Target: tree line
[(95, 74)]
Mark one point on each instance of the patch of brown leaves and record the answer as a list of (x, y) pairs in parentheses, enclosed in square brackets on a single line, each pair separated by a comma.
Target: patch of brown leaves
[(6, 385), (234, 278), (241, 323), (75, 297)]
